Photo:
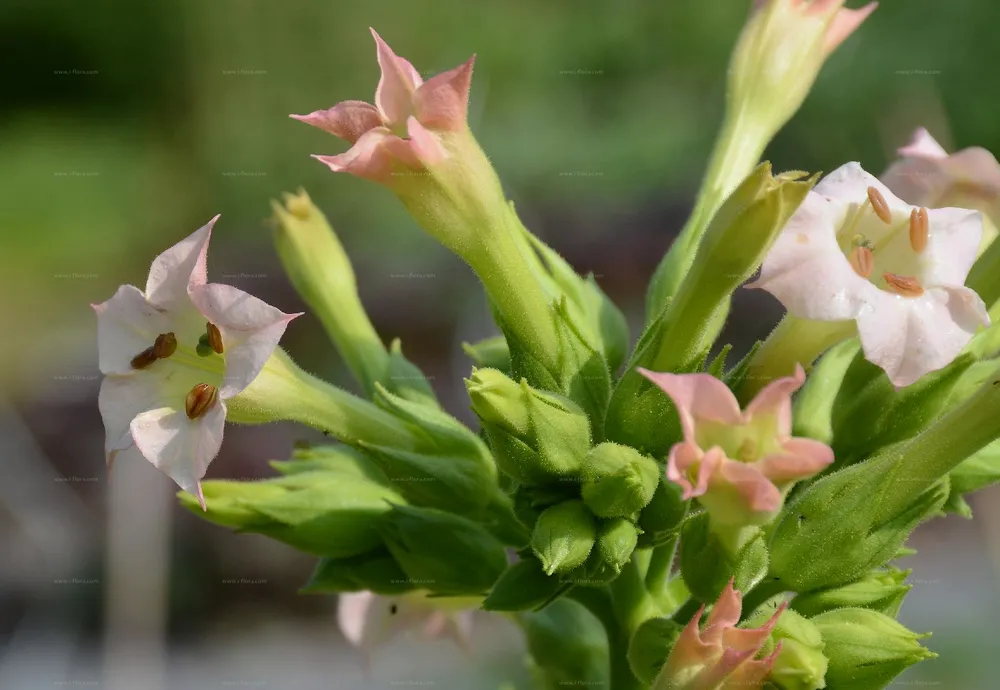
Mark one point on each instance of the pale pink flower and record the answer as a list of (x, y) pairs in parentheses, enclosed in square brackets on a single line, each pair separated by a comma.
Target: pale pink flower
[(927, 175), (401, 132), (739, 464), (369, 620), (840, 21), (845, 257), (720, 657), (164, 394)]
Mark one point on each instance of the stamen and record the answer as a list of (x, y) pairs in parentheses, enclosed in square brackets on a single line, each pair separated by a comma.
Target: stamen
[(879, 205), (165, 345), (214, 338), (919, 229), (862, 261), (199, 399), (145, 358), (907, 286)]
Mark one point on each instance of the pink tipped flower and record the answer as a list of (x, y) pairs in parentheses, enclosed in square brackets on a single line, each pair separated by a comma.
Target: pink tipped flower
[(927, 175), (368, 620), (739, 464), (401, 132), (840, 22), (722, 656), (173, 355), (854, 251)]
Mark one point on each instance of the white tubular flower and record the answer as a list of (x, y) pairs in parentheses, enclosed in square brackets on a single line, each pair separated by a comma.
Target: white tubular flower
[(855, 251), (173, 355), (927, 175), (368, 620)]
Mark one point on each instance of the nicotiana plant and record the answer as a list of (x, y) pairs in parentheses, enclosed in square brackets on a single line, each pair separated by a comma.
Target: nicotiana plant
[(614, 492)]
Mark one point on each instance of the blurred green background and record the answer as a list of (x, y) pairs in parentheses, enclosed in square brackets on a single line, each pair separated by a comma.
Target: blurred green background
[(125, 126)]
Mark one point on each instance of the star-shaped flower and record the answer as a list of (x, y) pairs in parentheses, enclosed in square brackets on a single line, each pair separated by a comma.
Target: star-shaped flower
[(855, 251), (739, 464), (173, 354), (398, 134)]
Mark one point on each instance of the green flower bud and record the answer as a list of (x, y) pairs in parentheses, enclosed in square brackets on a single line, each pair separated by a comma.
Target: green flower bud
[(491, 353), (879, 590), (708, 561), (834, 532), (568, 646), (318, 267), (662, 518), (801, 664), (870, 413), (681, 331), (563, 536), (442, 552), (650, 646), (867, 649), (321, 513), (449, 467), (524, 585), (618, 481), (376, 571), (536, 436), (616, 540)]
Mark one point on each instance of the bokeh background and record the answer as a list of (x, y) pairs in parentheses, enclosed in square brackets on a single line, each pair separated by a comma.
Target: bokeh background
[(125, 126)]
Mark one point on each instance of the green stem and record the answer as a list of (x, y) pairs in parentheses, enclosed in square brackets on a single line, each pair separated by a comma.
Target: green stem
[(686, 612), (283, 391), (598, 601), (658, 574), (633, 603)]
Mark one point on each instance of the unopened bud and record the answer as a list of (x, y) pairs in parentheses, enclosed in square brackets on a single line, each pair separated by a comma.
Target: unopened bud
[(564, 536), (618, 480)]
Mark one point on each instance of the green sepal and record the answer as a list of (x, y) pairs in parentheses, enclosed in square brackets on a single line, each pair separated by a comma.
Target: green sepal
[(442, 552), (812, 412), (880, 590), (978, 471), (564, 536), (523, 586), (867, 649), (490, 353), (650, 646), (662, 518), (404, 378), (375, 571)]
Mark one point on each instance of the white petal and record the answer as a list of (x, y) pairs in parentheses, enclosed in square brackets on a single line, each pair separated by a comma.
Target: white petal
[(806, 270), (126, 325), (910, 337), (952, 245), (352, 615), (250, 328), (179, 267), (850, 183), (122, 399), (179, 447), (919, 181)]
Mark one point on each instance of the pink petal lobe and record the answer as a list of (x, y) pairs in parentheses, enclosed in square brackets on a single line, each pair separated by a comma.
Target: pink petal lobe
[(845, 22), (424, 143), (352, 615), (250, 328), (373, 157), (181, 266), (725, 614), (697, 397), (800, 458), (682, 458), (443, 101), (396, 86), (348, 120), (776, 398), (754, 490)]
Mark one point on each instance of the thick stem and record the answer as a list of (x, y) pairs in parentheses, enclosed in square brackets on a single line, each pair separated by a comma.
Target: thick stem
[(658, 573)]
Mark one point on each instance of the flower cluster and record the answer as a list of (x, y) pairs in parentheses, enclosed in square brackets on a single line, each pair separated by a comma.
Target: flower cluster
[(614, 491)]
